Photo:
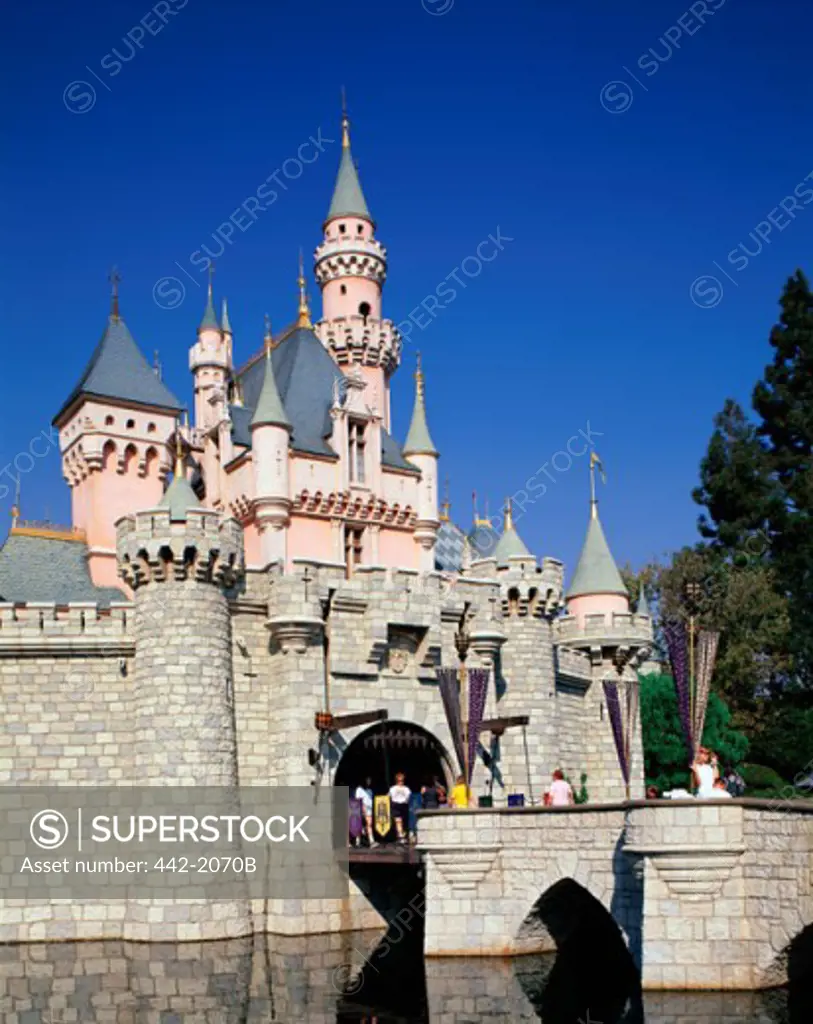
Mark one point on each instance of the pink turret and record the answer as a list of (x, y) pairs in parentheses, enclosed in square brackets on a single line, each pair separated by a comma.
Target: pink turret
[(210, 360), (351, 267), (113, 434)]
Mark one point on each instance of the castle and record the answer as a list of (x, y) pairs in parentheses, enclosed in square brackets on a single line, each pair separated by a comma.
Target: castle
[(277, 613)]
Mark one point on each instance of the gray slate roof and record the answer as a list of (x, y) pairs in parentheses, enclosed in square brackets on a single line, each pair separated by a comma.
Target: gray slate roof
[(305, 376), (511, 545), (45, 569), (348, 199), (117, 369), (419, 440), (270, 410), (449, 547), (179, 498), (596, 571)]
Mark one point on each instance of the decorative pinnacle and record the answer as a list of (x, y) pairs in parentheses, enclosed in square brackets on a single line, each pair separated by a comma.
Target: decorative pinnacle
[(225, 324), (419, 381), (595, 461), (508, 523), (304, 318), (268, 338), (478, 521), (179, 468), (345, 122), (446, 504), (114, 278)]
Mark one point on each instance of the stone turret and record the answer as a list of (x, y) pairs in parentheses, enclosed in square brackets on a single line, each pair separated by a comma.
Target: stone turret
[(210, 360), (179, 559), (599, 625), (530, 597)]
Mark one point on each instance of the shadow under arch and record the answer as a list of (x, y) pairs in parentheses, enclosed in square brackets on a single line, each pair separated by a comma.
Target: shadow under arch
[(593, 973), (800, 977)]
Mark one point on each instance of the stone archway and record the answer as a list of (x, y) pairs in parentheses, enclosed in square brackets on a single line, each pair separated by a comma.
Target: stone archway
[(389, 747)]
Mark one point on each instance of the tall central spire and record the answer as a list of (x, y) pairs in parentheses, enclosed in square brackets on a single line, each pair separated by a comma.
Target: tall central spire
[(348, 199)]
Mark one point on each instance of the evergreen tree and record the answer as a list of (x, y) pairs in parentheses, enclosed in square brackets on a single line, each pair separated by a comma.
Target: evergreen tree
[(784, 402)]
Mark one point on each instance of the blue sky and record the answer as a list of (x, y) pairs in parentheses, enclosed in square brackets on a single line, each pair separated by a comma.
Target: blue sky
[(625, 149)]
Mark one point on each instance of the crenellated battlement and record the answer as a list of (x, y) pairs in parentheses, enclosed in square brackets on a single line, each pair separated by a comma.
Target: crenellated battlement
[(346, 256), (361, 340), (80, 618), (152, 547), (612, 629)]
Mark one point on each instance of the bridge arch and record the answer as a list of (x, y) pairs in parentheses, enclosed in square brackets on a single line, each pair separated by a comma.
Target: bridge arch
[(584, 933)]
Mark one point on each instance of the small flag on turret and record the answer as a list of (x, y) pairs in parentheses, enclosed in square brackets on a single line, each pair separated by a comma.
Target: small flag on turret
[(596, 461)]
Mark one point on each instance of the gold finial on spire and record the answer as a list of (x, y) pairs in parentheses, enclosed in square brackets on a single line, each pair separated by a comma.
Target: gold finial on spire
[(114, 278), (269, 338), (419, 384), (508, 522), (595, 461), (480, 521), (304, 318), (345, 122), (445, 504), (179, 469)]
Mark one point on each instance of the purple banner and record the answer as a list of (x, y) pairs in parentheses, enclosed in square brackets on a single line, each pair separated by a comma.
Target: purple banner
[(706, 655), (674, 633), (614, 709), (478, 690), (449, 685)]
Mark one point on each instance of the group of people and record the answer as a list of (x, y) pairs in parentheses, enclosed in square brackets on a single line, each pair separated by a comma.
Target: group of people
[(404, 804), (708, 781)]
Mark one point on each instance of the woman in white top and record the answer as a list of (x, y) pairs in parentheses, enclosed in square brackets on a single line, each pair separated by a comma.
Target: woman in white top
[(704, 773)]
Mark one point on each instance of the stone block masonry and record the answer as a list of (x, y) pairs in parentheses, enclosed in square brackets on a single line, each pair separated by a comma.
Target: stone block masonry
[(708, 895)]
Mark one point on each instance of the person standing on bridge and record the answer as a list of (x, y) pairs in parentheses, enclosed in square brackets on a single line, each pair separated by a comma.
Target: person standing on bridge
[(399, 798), (461, 794), (365, 795), (560, 790)]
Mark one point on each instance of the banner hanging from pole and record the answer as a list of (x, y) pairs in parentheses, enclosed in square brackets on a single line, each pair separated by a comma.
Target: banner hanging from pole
[(478, 691), (706, 655), (674, 633), (614, 710), (449, 686)]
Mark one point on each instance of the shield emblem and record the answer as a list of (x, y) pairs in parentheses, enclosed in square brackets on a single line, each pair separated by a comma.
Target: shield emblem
[(382, 815)]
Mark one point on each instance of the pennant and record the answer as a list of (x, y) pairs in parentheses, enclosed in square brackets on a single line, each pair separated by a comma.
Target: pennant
[(449, 686), (356, 822), (674, 633), (706, 655), (478, 691), (614, 710), (382, 814)]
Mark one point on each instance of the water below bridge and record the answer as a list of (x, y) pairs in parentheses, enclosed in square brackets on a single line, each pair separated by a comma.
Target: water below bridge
[(353, 977)]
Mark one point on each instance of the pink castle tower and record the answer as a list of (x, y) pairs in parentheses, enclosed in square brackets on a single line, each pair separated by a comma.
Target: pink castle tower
[(113, 433)]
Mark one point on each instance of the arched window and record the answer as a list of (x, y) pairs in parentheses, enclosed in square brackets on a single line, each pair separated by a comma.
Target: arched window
[(108, 455)]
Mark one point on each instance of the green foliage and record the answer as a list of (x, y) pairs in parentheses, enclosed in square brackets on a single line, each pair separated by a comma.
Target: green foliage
[(760, 776), (756, 485), (665, 755), (580, 795)]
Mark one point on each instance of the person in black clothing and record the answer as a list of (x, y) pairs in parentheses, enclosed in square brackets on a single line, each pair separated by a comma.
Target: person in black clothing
[(433, 795)]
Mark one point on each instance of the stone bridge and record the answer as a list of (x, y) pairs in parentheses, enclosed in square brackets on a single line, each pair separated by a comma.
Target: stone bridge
[(706, 894)]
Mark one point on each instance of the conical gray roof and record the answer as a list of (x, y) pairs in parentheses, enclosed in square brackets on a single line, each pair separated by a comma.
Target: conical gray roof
[(419, 440), (348, 199), (643, 604), (179, 498), (596, 571), (511, 545), (209, 321), (270, 411)]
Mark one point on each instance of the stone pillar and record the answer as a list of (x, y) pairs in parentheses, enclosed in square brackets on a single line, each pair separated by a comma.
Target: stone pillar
[(182, 697)]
